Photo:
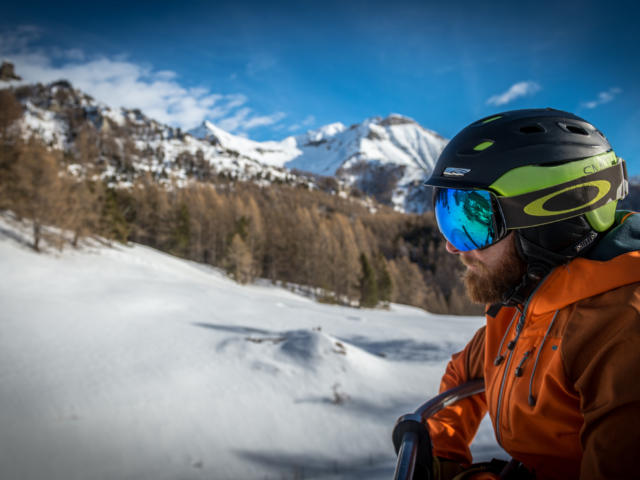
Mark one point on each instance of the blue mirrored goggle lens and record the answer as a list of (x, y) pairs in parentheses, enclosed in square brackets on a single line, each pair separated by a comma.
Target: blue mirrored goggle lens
[(465, 218)]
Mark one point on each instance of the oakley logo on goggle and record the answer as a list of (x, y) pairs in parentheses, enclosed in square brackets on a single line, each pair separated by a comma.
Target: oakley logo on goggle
[(455, 172), (537, 207)]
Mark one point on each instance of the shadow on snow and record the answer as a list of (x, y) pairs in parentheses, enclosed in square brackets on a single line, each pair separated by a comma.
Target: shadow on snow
[(297, 341), (301, 466)]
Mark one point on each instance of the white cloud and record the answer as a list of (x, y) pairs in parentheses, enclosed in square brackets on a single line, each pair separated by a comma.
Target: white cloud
[(233, 123), (119, 82), (603, 97), (242, 120), (260, 63), (264, 120), (517, 90), (307, 122)]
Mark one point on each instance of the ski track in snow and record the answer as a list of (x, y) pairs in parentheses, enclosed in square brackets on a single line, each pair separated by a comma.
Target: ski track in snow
[(125, 362)]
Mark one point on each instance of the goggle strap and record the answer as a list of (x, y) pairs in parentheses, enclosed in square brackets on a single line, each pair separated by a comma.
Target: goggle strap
[(565, 200)]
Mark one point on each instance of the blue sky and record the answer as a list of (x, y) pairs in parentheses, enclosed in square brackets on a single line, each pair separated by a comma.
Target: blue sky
[(271, 69)]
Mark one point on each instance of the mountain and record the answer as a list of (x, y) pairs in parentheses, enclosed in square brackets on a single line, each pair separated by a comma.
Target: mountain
[(232, 202), (387, 158), (268, 153), (125, 143)]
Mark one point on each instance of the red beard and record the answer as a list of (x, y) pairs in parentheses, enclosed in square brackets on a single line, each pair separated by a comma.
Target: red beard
[(486, 285)]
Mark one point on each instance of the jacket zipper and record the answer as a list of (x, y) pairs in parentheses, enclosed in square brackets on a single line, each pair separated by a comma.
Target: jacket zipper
[(519, 327), (504, 376)]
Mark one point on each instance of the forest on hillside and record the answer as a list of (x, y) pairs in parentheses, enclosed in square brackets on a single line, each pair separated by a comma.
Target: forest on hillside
[(340, 249)]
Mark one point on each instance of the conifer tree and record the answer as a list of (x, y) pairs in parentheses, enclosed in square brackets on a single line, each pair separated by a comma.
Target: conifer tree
[(86, 145), (113, 223), (239, 261), (347, 265), (82, 209), (368, 284), (10, 111), (255, 240), (383, 278), (409, 287), (180, 234), (38, 191)]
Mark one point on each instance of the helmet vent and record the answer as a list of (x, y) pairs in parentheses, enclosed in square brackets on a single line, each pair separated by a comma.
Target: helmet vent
[(573, 128), (535, 128), (578, 130)]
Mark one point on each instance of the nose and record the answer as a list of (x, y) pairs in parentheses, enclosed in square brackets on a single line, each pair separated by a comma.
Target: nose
[(451, 248)]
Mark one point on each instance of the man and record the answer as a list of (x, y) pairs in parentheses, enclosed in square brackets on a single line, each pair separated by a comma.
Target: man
[(527, 200)]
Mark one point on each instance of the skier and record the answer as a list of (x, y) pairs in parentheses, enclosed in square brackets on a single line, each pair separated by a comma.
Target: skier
[(527, 200)]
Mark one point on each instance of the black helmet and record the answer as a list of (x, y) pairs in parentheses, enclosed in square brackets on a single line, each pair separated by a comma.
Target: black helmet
[(547, 174)]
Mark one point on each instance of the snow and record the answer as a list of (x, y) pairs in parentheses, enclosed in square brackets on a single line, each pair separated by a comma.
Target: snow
[(269, 153), (360, 155), (44, 124), (335, 150), (117, 116), (396, 139), (125, 362), (329, 130)]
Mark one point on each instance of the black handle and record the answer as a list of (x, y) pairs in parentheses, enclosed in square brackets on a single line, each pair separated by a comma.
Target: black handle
[(411, 437)]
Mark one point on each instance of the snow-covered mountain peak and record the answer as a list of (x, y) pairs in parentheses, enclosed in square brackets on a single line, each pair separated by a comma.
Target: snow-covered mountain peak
[(386, 157), (270, 153), (397, 119), (324, 132), (207, 131)]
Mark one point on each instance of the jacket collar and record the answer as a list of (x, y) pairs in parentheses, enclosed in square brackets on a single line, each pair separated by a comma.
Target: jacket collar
[(613, 263)]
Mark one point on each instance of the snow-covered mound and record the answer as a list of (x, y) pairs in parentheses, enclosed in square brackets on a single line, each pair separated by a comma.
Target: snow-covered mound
[(125, 362)]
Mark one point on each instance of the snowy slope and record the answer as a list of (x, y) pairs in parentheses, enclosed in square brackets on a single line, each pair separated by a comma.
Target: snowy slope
[(125, 362)]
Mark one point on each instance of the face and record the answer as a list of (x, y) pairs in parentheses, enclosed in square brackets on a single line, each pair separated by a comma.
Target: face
[(492, 271)]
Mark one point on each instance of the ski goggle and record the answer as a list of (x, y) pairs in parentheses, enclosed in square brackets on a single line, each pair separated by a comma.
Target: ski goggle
[(468, 219), (474, 219)]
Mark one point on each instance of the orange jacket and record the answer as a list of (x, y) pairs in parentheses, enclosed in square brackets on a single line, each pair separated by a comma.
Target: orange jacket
[(565, 401)]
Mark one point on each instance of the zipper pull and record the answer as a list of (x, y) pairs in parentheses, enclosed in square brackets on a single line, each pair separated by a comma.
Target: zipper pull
[(512, 344), (519, 369)]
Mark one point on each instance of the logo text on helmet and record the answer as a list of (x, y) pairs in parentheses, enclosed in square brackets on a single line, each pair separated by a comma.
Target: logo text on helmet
[(600, 162), (455, 172), (537, 207), (589, 169)]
